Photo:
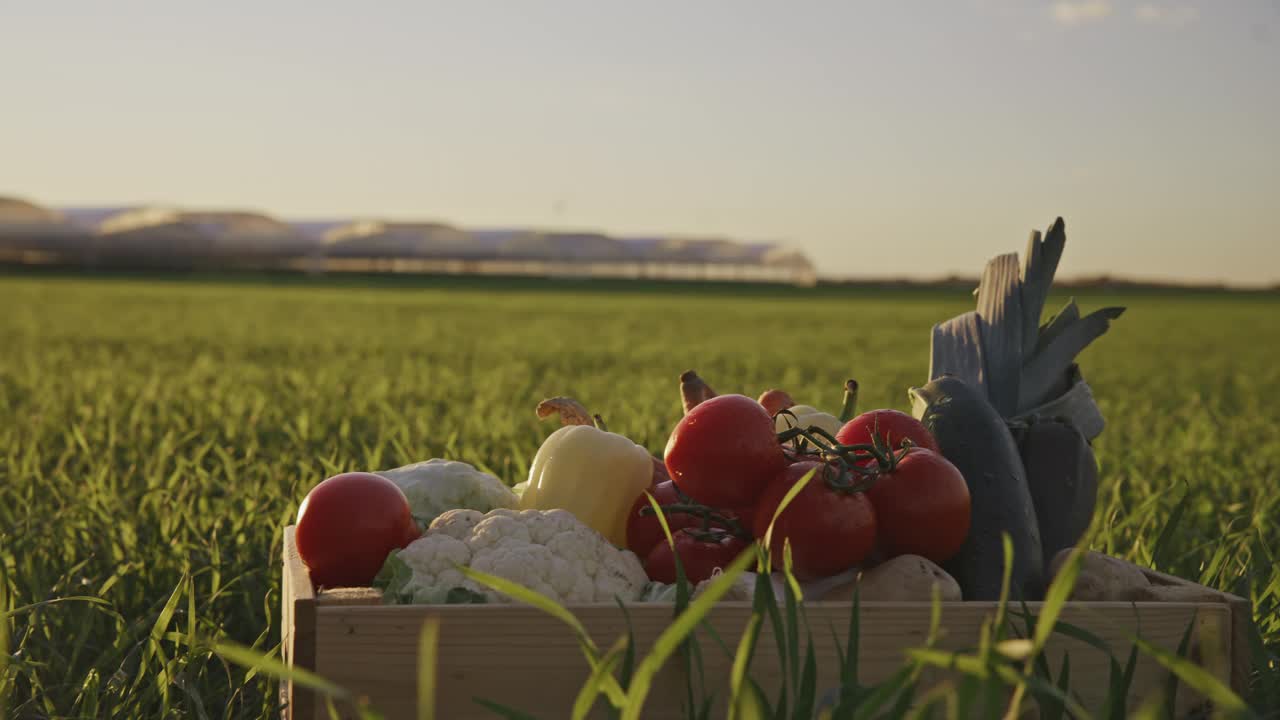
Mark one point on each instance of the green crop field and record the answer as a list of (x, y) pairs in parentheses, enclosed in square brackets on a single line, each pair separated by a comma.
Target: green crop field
[(156, 435)]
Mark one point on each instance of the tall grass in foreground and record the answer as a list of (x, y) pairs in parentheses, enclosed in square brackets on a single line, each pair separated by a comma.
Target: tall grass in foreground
[(156, 436)]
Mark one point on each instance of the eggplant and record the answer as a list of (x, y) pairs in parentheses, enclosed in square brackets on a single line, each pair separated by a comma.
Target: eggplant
[(1062, 473), (977, 440)]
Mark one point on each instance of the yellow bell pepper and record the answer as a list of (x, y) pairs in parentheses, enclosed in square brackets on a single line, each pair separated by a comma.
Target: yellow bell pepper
[(594, 474)]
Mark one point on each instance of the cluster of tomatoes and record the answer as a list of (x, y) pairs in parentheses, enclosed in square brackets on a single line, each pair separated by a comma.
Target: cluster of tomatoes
[(878, 489)]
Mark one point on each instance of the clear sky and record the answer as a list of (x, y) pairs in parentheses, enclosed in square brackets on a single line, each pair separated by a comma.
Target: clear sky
[(881, 137)]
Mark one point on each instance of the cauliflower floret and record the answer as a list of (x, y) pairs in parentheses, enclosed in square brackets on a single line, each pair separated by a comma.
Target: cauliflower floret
[(548, 551), (456, 523), (437, 485)]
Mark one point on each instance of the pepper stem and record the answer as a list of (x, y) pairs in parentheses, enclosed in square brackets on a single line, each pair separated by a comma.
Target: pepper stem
[(694, 390), (571, 411), (850, 409)]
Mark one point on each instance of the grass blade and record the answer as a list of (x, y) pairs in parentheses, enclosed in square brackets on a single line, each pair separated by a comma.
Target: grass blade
[(1052, 708), (271, 667), (1056, 598), (520, 593), (1119, 684), (849, 675), (792, 625), (691, 654), (758, 702), (594, 685), (765, 600), (4, 644), (1002, 604), (55, 601), (1041, 662), (742, 663), (530, 597), (885, 692), (1198, 679), (905, 695), (1171, 685), (428, 644), (166, 613), (806, 689), (503, 711), (783, 632), (670, 638), (1160, 551), (629, 657), (782, 505)]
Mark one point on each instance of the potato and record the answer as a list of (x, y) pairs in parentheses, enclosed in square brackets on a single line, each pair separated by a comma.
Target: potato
[(1102, 577), (1176, 593), (905, 578)]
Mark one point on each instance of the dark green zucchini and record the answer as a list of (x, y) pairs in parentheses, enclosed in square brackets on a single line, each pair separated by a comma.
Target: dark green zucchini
[(976, 439), (1063, 476)]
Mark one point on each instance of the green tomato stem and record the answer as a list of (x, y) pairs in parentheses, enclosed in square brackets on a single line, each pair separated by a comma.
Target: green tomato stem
[(707, 514)]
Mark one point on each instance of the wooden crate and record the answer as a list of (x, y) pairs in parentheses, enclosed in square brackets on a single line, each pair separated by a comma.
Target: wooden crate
[(518, 656)]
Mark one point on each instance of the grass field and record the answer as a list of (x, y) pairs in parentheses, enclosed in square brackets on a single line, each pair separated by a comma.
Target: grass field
[(156, 435)]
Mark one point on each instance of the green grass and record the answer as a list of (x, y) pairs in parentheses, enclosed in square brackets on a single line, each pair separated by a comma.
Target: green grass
[(157, 435)]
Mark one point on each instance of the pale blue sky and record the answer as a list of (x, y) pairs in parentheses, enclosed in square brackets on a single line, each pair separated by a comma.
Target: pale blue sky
[(881, 137)]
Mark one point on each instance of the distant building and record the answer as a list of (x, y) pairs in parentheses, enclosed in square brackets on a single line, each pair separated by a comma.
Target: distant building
[(166, 235), (380, 239), (317, 231), (720, 258), (90, 219), (32, 233), (170, 236), (703, 250), (17, 213), (562, 247)]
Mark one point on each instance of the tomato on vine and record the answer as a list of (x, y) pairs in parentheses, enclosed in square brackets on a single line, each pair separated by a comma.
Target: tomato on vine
[(889, 427), (644, 530), (701, 553), (830, 523), (724, 451), (922, 503)]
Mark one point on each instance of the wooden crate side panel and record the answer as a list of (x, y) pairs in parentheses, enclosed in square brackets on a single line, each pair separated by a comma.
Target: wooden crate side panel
[(297, 629), (518, 656), (1241, 625)]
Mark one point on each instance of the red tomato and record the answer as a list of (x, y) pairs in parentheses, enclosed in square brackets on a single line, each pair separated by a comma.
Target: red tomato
[(892, 426), (348, 524), (700, 555), (724, 451), (922, 507), (644, 531), (831, 530)]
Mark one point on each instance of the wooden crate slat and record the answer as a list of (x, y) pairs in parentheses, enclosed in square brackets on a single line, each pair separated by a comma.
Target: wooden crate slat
[(519, 656)]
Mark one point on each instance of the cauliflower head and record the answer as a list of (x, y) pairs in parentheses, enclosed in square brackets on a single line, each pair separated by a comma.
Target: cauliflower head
[(437, 485), (548, 551)]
